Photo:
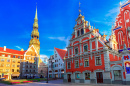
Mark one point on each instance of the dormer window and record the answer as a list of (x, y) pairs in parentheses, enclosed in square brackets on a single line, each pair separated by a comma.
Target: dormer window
[(78, 33), (82, 31)]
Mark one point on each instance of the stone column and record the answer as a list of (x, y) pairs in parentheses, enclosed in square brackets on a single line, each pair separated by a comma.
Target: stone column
[(96, 42), (82, 80)]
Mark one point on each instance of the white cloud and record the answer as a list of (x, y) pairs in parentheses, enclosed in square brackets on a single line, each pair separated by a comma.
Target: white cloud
[(18, 47), (66, 40), (42, 56), (112, 11)]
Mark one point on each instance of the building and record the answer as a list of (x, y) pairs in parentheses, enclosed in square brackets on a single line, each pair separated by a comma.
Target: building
[(42, 70), (91, 58), (29, 66), (56, 64), (10, 62)]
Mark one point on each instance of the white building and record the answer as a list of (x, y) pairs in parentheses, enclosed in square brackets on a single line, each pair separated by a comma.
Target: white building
[(56, 64)]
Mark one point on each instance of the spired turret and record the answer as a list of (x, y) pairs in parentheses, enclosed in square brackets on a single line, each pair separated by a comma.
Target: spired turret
[(35, 34)]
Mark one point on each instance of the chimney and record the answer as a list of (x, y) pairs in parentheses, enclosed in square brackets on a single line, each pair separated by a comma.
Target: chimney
[(4, 48)]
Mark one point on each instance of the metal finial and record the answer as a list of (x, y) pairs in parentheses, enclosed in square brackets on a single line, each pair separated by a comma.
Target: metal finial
[(79, 8)]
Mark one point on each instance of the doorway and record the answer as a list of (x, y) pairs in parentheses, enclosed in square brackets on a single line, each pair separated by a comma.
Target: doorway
[(69, 77), (99, 77)]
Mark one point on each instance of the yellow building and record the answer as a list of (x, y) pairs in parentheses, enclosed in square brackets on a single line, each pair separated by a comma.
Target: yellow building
[(10, 62)]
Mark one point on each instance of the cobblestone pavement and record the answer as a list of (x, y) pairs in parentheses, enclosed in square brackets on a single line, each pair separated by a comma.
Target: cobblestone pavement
[(59, 82)]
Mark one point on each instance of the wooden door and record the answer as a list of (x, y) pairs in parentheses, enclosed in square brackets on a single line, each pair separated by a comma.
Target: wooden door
[(69, 77), (99, 77)]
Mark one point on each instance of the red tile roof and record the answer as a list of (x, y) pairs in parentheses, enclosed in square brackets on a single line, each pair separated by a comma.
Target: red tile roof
[(12, 51), (61, 52)]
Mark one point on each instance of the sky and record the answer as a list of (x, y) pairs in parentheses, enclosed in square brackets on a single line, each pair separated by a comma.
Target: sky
[(56, 19)]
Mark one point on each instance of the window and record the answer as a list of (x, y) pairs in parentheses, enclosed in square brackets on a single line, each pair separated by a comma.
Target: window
[(82, 31), (18, 65), (30, 66), (117, 75), (41, 71), (86, 62), (26, 70), (7, 65), (18, 61), (34, 67), (33, 70), (55, 55), (8, 60), (2, 60), (17, 70), (27, 62), (13, 65), (78, 33), (85, 48), (2, 65), (7, 70), (9, 55), (18, 57), (1, 70), (12, 70), (77, 77), (87, 76), (76, 64), (69, 65), (3, 55), (34, 62), (98, 61), (30, 71), (13, 56), (13, 61), (76, 50), (59, 63), (27, 66)]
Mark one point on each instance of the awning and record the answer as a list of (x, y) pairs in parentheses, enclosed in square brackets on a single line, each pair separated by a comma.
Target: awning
[(15, 74)]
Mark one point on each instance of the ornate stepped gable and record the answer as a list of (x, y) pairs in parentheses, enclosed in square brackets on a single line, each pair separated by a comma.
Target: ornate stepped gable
[(84, 33), (122, 26)]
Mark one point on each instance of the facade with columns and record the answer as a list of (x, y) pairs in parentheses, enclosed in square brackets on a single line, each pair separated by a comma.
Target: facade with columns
[(91, 58)]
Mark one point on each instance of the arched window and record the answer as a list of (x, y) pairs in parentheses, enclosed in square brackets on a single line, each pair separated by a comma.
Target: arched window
[(82, 31), (78, 33)]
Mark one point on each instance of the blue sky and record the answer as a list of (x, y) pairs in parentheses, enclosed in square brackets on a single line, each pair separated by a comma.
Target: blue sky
[(56, 19)]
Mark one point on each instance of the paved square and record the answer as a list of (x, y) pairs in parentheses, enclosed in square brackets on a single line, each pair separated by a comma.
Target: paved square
[(59, 82)]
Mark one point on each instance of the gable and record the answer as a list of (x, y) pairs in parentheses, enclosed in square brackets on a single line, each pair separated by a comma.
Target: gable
[(31, 51)]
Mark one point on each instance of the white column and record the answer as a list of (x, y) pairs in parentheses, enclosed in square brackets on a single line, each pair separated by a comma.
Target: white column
[(90, 45), (80, 48), (75, 33), (68, 52), (96, 42), (72, 51)]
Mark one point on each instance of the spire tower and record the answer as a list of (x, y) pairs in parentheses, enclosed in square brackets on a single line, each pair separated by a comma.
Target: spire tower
[(35, 34)]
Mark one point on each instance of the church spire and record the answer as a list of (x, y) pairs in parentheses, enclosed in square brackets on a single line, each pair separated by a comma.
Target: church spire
[(36, 12), (35, 34)]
